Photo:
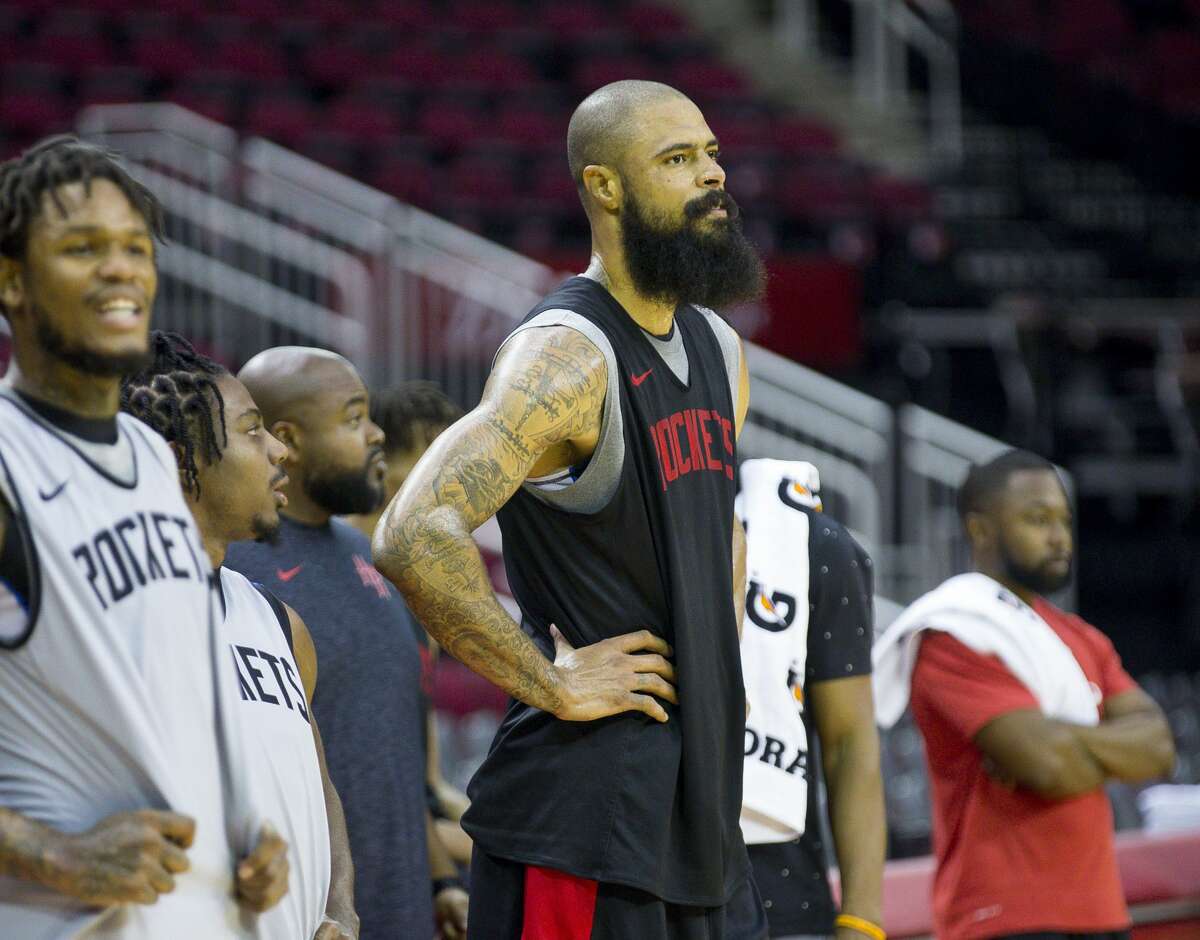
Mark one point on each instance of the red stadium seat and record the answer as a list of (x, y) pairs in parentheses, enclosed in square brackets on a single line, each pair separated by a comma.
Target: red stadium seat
[(362, 118), (823, 192), (33, 113), (157, 24), (44, 77), (490, 72), (70, 21), (740, 131), (707, 77), (800, 137), (72, 36), (594, 72), (449, 123), (283, 118), (530, 126), (419, 64), (483, 184), (166, 56), (337, 63), (487, 15), (406, 177), (249, 57), (113, 85), (334, 149), (12, 17), (553, 186), (654, 22), (571, 20), (263, 11), (336, 12), (408, 17), (386, 91), (189, 9)]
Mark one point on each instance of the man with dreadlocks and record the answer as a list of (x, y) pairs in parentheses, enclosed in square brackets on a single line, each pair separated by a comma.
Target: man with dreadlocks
[(230, 468), (112, 815)]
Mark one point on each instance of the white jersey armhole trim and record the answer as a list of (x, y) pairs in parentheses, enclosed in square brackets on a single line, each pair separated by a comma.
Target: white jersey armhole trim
[(589, 493), (16, 638), (727, 339)]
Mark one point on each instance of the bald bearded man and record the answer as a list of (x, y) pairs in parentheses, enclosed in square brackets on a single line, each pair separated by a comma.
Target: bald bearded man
[(368, 700), (605, 445)]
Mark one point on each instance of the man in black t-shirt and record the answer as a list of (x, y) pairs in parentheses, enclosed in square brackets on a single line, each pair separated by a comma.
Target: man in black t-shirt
[(807, 668), (605, 446)]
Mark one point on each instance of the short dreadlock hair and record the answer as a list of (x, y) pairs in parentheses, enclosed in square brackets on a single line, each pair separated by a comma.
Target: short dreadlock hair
[(178, 397), (54, 162), (984, 481), (412, 411)]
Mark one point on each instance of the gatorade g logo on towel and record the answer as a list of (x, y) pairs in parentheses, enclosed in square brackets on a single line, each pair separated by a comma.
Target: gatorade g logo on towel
[(775, 613), (797, 495)]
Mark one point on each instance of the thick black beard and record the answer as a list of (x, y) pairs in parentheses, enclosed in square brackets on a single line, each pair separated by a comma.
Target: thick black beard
[(346, 493), (1039, 580), (680, 263), (56, 345)]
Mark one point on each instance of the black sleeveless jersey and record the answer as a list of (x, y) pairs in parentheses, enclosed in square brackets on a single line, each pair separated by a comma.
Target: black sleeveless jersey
[(626, 799)]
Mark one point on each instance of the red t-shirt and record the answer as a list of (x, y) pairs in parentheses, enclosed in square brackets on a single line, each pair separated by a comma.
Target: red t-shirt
[(1009, 861)]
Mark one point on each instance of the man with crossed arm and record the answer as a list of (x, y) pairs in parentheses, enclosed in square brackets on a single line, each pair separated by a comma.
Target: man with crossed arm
[(1026, 711)]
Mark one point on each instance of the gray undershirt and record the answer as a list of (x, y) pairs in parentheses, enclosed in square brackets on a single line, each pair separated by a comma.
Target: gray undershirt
[(598, 481)]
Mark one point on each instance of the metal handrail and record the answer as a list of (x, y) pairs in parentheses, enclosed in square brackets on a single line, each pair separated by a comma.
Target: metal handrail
[(884, 31)]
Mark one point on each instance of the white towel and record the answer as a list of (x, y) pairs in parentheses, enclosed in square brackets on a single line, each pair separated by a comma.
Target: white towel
[(988, 618), (775, 645)]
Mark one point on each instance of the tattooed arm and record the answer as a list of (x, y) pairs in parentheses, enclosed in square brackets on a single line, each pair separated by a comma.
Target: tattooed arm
[(541, 410), (126, 857)]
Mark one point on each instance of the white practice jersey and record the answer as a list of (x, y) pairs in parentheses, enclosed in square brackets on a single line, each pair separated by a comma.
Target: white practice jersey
[(107, 679), (279, 781)]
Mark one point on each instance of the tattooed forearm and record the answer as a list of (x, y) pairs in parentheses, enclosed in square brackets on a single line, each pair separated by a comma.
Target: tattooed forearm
[(431, 558), (547, 390)]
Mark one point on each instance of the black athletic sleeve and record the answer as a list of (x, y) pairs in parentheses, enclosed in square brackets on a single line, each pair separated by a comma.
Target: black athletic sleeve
[(14, 561), (281, 614), (841, 621)]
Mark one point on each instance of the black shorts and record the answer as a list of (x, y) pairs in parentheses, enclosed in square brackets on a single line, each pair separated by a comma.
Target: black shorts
[(513, 901)]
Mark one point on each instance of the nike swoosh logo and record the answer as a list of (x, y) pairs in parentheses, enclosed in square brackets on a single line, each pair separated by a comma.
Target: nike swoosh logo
[(46, 497), (289, 574), (639, 379)]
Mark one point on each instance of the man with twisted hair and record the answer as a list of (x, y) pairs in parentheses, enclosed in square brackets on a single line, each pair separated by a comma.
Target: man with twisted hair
[(229, 466)]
